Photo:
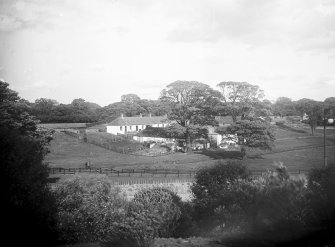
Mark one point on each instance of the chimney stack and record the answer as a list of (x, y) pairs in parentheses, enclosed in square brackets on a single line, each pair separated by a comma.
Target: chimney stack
[(121, 115), (150, 114), (140, 114)]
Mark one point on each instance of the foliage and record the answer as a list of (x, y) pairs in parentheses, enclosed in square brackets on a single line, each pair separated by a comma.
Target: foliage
[(30, 214), (330, 104), (226, 199), (313, 109), (322, 185), (87, 207), (114, 143), (192, 106), (251, 133), (165, 204), (208, 189), (239, 98), (50, 111), (133, 107), (284, 107)]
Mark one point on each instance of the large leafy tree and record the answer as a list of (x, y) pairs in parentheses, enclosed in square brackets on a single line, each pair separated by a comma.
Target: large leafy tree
[(191, 106), (239, 98), (284, 107), (251, 133), (29, 209), (130, 98), (330, 106), (313, 109)]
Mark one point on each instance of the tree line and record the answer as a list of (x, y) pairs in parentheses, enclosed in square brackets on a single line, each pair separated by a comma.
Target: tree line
[(236, 99), (193, 106)]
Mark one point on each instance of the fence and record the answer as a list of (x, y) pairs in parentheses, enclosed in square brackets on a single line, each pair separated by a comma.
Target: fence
[(149, 172), (126, 172)]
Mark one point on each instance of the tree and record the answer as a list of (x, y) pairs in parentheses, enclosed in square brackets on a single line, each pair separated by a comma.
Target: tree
[(263, 108), (284, 107), (239, 98), (130, 98), (313, 109), (330, 104), (251, 133), (210, 189), (42, 109), (191, 106), (29, 216)]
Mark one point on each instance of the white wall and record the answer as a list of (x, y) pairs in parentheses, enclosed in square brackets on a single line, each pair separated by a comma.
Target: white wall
[(130, 128), (155, 139)]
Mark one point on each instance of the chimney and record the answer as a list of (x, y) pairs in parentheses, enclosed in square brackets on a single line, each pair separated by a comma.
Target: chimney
[(150, 114), (140, 114), (121, 115)]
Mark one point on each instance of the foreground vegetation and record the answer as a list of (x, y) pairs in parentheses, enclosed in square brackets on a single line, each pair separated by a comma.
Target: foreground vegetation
[(229, 207)]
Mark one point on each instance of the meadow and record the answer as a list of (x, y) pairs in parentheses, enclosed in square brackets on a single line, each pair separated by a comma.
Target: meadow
[(295, 150)]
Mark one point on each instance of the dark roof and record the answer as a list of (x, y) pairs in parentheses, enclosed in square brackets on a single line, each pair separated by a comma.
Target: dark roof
[(122, 121)]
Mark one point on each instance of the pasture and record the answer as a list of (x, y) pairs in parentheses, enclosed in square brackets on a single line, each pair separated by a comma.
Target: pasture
[(295, 150)]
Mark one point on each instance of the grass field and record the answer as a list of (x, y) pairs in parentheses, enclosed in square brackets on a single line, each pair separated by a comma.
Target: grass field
[(295, 150)]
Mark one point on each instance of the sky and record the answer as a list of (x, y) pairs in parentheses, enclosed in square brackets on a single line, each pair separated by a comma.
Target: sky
[(99, 50)]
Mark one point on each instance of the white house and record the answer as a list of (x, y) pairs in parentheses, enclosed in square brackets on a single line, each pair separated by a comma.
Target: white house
[(124, 125)]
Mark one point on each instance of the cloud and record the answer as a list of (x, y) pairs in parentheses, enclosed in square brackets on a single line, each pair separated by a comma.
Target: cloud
[(9, 23), (304, 25)]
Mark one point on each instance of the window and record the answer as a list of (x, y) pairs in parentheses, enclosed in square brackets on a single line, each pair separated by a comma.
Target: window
[(120, 127), (136, 127), (129, 127)]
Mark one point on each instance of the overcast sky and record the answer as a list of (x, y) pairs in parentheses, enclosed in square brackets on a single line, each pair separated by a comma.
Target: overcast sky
[(101, 49)]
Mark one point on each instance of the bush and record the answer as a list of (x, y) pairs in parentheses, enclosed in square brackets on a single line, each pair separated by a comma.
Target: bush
[(321, 184), (278, 206), (138, 228), (210, 188), (87, 207), (114, 143), (165, 204)]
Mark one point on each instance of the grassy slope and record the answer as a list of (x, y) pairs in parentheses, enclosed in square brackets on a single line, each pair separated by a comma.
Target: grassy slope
[(67, 151), (296, 150)]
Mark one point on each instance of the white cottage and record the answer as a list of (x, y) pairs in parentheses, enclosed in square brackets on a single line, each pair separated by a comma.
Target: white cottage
[(124, 125)]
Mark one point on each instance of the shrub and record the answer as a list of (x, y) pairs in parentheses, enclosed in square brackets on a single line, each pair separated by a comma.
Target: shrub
[(164, 203), (210, 190), (321, 184), (278, 206), (138, 228), (87, 207)]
